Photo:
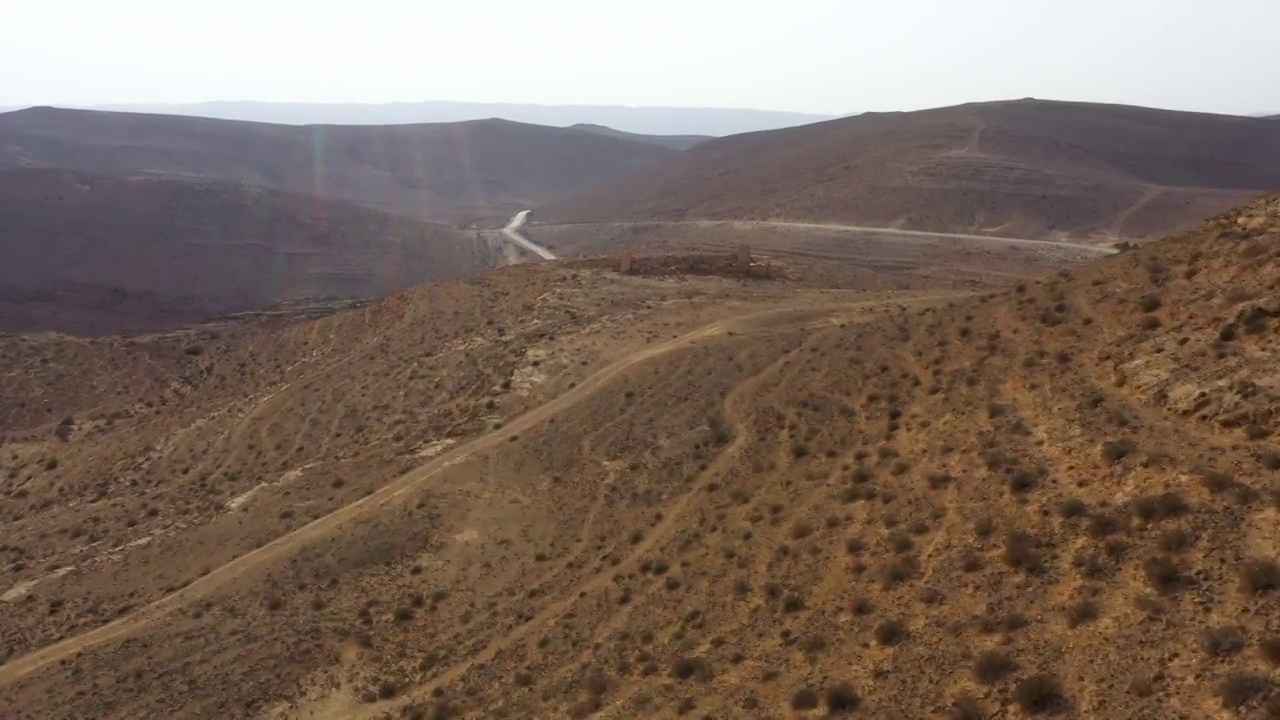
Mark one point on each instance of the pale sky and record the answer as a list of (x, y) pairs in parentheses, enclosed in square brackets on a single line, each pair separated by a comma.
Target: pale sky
[(826, 56)]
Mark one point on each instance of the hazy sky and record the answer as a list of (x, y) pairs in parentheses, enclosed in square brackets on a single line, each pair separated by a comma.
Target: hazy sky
[(829, 56)]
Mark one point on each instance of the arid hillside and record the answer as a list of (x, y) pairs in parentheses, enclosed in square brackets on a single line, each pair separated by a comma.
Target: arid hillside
[(559, 491), (92, 254), (1026, 168), (440, 172)]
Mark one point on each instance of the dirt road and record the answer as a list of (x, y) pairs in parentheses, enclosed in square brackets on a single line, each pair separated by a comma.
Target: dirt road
[(902, 234), (512, 233)]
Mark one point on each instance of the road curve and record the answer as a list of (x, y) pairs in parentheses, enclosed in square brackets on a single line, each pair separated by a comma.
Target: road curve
[(512, 233)]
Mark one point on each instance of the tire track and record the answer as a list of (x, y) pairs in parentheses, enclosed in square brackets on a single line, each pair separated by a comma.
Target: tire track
[(595, 582)]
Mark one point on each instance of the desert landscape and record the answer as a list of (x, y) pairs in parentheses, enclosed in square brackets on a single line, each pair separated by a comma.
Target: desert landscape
[(962, 413), (566, 491)]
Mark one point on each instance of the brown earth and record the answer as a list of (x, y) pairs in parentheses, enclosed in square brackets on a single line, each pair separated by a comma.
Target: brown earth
[(91, 254), (1026, 168), (444, 172), (558, 491)]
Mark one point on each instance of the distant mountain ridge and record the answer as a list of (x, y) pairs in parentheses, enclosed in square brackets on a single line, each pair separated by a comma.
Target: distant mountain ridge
[(640, 120), (674, 142), (446, 172)]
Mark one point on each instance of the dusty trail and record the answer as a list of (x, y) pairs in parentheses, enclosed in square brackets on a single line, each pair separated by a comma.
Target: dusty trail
[(734, 413), (1152, 193), (895, 232), (803, 316)]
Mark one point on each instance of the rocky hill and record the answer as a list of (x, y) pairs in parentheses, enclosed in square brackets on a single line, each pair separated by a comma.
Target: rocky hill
[(1026, 168)]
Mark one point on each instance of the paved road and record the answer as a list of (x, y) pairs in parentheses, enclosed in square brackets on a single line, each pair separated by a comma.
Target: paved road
[(512, 233)]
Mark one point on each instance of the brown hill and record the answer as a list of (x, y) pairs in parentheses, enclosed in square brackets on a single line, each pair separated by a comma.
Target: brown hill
[(1027, 168), (674, 142), (440, 172), (561, 492), (92, 254)]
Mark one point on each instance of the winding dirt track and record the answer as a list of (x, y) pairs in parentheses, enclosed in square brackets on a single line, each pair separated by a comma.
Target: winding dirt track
[(286, 544)]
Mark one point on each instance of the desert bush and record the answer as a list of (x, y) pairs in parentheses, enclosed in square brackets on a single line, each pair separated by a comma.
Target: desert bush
[(691, 668), (1174, 540), (1113, 451), (1160, 507), (992, 666), (1163, 574), (1021, 553), (841, 698), (1259, 577), (1142, 685), (1103, 525), (1216, 481), (1073, 508), (901, 543), (966, 707), (897, 571), (1150, 303), (863, 606), (804, 699), (1269, 649), (984, 527), (1222, 641), (1082, 613), (1237, 689), (1039, 694), (801, 530), (1022, 481), (890, 633)]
